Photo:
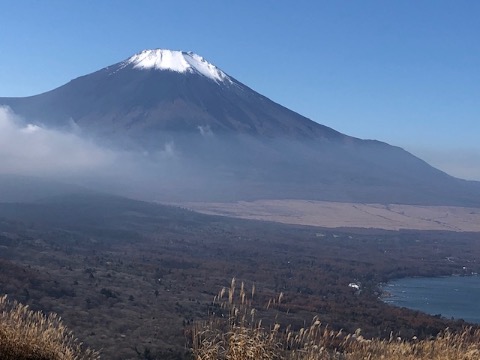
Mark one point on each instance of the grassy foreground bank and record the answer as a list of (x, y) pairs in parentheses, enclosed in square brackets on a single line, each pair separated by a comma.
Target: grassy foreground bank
[(234, 333)]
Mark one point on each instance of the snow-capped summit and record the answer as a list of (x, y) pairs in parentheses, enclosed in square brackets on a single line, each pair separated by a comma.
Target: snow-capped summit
[(178, 61)]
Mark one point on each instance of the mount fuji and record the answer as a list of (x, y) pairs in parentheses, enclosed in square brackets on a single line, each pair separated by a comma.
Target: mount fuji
[(229, 142), (158, 91)]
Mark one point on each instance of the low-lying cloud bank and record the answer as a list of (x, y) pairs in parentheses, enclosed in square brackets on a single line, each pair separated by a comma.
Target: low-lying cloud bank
[(33, 150), (29, 149), (203, 166)]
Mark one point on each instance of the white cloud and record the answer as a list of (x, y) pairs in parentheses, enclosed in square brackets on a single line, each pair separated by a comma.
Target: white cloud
[(205, 131), (67, 156), (33, 150)]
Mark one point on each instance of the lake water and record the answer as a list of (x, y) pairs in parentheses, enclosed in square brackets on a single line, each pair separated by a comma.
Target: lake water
[(453, 296)]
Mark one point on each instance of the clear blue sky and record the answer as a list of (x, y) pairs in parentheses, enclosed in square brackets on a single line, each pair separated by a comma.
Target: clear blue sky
[(405, 72)]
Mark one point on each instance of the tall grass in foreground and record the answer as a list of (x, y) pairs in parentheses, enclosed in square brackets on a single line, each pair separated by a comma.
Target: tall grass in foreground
[(446, 346), (30, 335), (234, 333)]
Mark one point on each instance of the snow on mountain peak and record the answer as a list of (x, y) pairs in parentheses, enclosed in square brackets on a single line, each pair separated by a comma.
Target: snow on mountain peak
[(178, 61)]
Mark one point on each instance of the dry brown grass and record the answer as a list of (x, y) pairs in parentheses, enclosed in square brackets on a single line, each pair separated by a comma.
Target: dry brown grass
[(233, 333), (30, 335), (446, 346), (237, 335)]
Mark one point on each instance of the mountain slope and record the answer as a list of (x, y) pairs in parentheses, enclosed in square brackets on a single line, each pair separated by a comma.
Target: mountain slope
[(126, 98), (229, 142)]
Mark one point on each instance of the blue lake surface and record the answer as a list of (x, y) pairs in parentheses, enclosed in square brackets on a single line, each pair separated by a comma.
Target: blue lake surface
[(453, 296)]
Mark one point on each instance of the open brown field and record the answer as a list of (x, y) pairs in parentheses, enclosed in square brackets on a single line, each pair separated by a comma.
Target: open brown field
[(348, 215)]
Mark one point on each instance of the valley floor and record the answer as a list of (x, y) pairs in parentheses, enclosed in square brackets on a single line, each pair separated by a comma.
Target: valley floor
[(131, 279), (348, 215)]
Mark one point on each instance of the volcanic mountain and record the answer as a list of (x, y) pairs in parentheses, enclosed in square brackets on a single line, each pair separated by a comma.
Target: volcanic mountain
[(228, 141), (159, 91)]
